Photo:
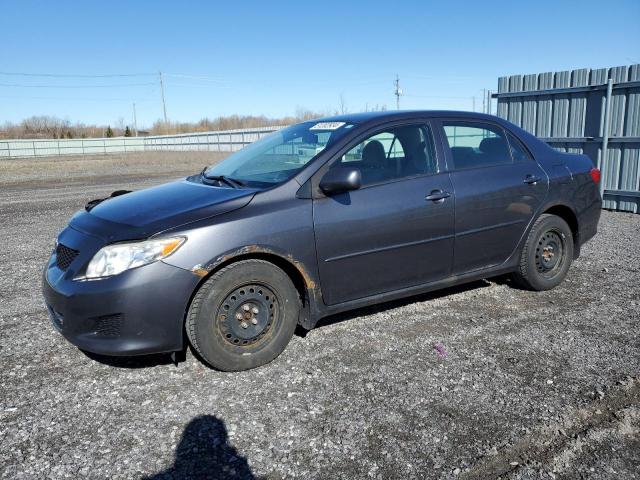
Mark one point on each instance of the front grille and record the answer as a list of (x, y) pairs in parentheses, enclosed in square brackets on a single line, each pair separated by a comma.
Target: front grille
[(107, 325), (64, 256)]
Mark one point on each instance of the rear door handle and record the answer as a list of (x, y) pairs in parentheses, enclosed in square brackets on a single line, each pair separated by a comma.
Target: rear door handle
[(437, 196), (531, 179)]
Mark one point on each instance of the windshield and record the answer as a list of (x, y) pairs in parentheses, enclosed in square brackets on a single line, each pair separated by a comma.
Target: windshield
[(279, 156)]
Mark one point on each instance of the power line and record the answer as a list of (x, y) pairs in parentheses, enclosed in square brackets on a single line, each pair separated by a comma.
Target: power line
[(438, 97), (204, 78), (441, 77), (73, 75), (189, 85), (115, 85), (71, 99)]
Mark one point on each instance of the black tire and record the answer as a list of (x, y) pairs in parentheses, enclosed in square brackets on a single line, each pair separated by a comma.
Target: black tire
[(547, 254), (266, 299)]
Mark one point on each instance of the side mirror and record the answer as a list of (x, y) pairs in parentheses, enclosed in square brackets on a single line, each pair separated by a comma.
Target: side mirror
[(341, 179)]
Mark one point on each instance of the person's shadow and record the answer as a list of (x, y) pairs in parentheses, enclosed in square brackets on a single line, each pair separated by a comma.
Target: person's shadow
[(204, 452)]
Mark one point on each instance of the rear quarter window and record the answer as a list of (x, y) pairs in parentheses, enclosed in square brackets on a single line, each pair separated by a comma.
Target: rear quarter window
[(518, 150)]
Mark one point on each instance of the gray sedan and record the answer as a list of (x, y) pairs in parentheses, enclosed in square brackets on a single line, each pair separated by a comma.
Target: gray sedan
[(315, 219)]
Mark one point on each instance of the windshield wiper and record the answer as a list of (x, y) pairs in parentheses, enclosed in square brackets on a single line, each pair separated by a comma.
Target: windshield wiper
[(232, 182)]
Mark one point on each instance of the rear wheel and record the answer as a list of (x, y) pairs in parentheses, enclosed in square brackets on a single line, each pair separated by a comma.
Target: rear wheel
[(547, 254), (243, 316)]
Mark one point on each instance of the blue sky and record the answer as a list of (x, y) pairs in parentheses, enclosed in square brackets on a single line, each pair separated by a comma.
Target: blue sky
[(274, 57)]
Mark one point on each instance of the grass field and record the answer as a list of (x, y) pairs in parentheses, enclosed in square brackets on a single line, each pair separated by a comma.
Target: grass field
[(91, 168)]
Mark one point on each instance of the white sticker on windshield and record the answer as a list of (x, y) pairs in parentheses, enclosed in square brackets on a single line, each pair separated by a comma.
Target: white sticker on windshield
[(327, 126)]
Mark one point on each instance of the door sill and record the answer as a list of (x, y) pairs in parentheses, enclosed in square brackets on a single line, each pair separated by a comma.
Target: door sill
[(414, 290)]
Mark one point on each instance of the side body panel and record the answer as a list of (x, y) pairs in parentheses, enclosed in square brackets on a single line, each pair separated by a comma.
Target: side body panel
[(570, 184), (572, 187), (283, 225), (494, 204), (383, 238), (493, 208), (275, 223)]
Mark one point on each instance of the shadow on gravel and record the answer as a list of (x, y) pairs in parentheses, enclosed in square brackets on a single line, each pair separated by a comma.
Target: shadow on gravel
[(204, 452), (424, 297), (141, 361)]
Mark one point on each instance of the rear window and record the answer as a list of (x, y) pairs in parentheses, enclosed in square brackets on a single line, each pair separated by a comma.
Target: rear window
[(475, 145)]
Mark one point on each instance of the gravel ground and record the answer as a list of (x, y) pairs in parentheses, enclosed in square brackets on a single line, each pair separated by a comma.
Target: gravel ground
[(481, 381)]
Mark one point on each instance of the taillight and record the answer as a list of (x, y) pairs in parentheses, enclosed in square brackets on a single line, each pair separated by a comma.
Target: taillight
[(594, 173)]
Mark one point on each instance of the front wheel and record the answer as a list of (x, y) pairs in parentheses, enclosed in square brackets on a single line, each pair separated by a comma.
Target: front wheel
[(243, 316), (547, 254)]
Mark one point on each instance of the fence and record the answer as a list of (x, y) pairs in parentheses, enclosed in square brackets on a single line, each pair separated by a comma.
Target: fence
[(596, 112), (223, 141)]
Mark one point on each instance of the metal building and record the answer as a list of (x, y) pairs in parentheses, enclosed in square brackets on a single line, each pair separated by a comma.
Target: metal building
[(596, 112)]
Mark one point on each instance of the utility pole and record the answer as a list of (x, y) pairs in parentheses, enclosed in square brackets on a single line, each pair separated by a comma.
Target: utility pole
[(489, 102), (473, 104), (398, 92), (164, 105), (484, 100), (135, 120)]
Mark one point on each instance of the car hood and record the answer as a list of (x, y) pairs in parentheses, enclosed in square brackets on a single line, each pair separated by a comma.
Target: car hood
[(145, 212)]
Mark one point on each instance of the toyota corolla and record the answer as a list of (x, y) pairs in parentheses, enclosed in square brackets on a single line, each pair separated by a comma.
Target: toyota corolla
[(315, 219)]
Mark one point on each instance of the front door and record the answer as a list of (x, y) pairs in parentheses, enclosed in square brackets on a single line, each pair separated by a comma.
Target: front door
[(387, 235)]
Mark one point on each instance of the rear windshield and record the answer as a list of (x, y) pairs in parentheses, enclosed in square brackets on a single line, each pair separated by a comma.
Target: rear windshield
[(279, 156)]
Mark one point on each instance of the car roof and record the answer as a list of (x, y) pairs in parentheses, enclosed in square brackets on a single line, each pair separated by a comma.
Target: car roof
[(374, 119), (381, 116)]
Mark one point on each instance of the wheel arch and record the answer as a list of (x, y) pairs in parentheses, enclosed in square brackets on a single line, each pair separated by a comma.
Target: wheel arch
[(304, 283), (568, 215)]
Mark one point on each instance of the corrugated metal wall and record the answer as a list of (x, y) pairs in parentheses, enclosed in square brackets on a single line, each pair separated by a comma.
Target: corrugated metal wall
[(224, 141), (570, 110)]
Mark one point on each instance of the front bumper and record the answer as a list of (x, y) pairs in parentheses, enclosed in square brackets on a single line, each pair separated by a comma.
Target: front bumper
[(139, 311)]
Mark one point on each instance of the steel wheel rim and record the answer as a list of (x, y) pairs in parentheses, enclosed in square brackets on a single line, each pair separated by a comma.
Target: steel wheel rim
[(247, 314), (550, 253)]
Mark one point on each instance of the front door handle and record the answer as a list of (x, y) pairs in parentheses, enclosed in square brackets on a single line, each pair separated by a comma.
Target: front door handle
[(437, 196), (531, 179)]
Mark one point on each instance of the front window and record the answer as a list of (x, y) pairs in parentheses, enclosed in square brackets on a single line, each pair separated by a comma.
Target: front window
[(279, 156), (395, 153)]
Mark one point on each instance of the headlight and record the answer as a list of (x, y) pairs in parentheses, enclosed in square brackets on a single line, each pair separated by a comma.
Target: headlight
[(115, 259)]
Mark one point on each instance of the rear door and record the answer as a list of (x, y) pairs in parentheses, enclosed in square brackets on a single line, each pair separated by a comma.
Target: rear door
[(387, 235), (498, 188)]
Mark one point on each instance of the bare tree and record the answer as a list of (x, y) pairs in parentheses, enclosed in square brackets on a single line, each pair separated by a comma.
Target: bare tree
[(343, 104), (53, 127)]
